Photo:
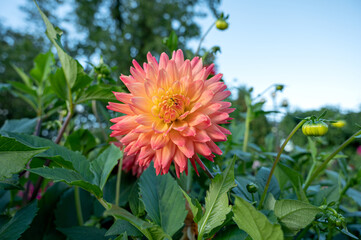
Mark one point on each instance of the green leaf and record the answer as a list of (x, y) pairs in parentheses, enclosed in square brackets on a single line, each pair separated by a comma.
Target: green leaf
[(43, 64), (172, 41), (65, 210), (261, 179), (151, 231), (163, 200), (217, 206), (69, 176), (5, 199), (104, 164), (14, 155), (21, 87), (355, 195), (121, 226), (58, 84), (41, 227), (24, 125), (295, 214), (195, 207), (81, 140), (68, 63), (254, 222), (328, 194), (82, 79), (101, 92), (231, 233), (23, 76), (11, 183), (295, 178), (84, 232), (67, 159), (13, 229), (135, 203), (126, 184)]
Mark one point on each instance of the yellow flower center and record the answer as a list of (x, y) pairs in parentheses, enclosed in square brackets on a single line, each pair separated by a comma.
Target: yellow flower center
[(170, 106)]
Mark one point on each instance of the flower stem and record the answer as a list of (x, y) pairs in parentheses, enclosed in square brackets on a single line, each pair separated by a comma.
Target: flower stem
[(246, 131), (277, 160), (63, 127), (119, 176), (47, 162), (104, 203), (203, 37), (208, 173), (328, 159), (79, 213)]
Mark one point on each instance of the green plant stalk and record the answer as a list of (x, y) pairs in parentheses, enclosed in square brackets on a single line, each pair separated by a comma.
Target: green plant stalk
[(117, 186), (314, 164), (47, 162), (328, 159), (95, 111), (79, 213), (204, 36), (246, 130), (208, 173), (276, 161), (104, 203), (349, 184), (330, 232)]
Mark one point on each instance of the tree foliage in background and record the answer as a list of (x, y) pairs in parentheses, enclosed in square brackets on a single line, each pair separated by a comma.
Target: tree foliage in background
[(117, 30)]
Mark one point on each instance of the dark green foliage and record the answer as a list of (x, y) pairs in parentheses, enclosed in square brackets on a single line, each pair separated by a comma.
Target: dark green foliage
[(19, 223), (163, 200)]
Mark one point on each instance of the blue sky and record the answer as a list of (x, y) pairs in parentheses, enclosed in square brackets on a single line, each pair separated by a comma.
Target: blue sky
[(311, 46)]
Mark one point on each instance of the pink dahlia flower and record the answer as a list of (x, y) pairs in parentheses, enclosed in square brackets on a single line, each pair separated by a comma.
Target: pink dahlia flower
[(172, 113)]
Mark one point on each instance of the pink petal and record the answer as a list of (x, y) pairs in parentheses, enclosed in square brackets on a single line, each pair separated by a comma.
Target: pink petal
[(180, 160), (163, 61), (215, 134), (145, 152), (197, 65), (180, 125), (195, 90), (137, 89), (138, 68), (178, 59), (188, 149), (137, 75), (145, 119), (202, 149), (158, 141), (194, 165), (189, 131), (117, 107), (214, 79), (152, 61), (198, 118), (127, 79), (178, 139), (167, 156), (141, 103), (160, 127), (219, 117), (123, 97), (214, 148), (221, 95), (130, 137), (201, 136)]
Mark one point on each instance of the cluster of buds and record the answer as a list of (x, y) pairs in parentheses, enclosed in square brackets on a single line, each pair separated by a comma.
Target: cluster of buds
[(331, 217)]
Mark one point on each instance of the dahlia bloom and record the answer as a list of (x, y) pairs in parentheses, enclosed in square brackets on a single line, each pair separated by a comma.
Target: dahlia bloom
[(172, 113)]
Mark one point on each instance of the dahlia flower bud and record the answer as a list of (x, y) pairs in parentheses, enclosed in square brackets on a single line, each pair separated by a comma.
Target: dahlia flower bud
[(172, 113)]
